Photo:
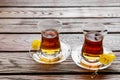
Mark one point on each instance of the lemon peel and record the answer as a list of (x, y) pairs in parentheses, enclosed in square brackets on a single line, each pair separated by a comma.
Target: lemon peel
[(107, 58), (36, 44)]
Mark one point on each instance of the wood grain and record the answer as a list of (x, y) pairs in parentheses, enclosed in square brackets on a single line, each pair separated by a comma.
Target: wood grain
[(64, 21), (60, 3), (69, 25), (60, 12), (22, 42), (58, 77), (22, 63)]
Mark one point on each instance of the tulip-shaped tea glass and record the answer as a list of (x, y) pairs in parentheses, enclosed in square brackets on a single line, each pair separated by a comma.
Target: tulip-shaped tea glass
[(87, 55), (52, 50), (93, 42)]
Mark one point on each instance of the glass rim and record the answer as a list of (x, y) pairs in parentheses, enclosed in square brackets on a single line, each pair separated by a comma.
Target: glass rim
[(94, 27), (49, 24)]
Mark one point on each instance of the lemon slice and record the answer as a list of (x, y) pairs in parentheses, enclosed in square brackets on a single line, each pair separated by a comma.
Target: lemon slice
[(36, 44), (107, 58)]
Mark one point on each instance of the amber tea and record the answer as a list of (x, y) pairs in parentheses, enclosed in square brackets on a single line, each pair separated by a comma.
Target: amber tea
[(92, 47), (50, 42)]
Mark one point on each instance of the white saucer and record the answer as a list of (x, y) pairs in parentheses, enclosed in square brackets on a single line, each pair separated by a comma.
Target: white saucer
[(79, 60), (64, 53)]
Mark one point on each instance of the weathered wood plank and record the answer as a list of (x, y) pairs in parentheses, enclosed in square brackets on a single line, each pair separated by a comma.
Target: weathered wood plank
[(65, 29), (69, 25), (21, 62), (59, 12), (64, 21), (22, 42), (60, 3), (58, 77)]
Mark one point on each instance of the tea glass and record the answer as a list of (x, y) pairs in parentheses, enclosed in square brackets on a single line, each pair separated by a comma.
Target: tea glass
[(52, 50), (93, 41)]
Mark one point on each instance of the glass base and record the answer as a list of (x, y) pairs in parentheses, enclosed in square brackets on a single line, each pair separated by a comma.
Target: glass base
[(62, 56), (81, 62)]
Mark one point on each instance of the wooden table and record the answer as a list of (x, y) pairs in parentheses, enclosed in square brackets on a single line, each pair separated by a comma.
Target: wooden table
[(18, 19)]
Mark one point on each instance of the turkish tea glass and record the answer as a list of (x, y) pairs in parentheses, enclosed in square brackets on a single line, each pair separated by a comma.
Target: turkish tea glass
[(93, 41), (50, 44)]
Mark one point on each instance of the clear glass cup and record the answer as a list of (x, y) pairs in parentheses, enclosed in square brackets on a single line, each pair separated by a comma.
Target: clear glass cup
[(93, 41), (50, 44)]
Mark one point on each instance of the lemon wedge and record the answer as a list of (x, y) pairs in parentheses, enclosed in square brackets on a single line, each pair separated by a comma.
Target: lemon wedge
[(107, 58), (36, 44)]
